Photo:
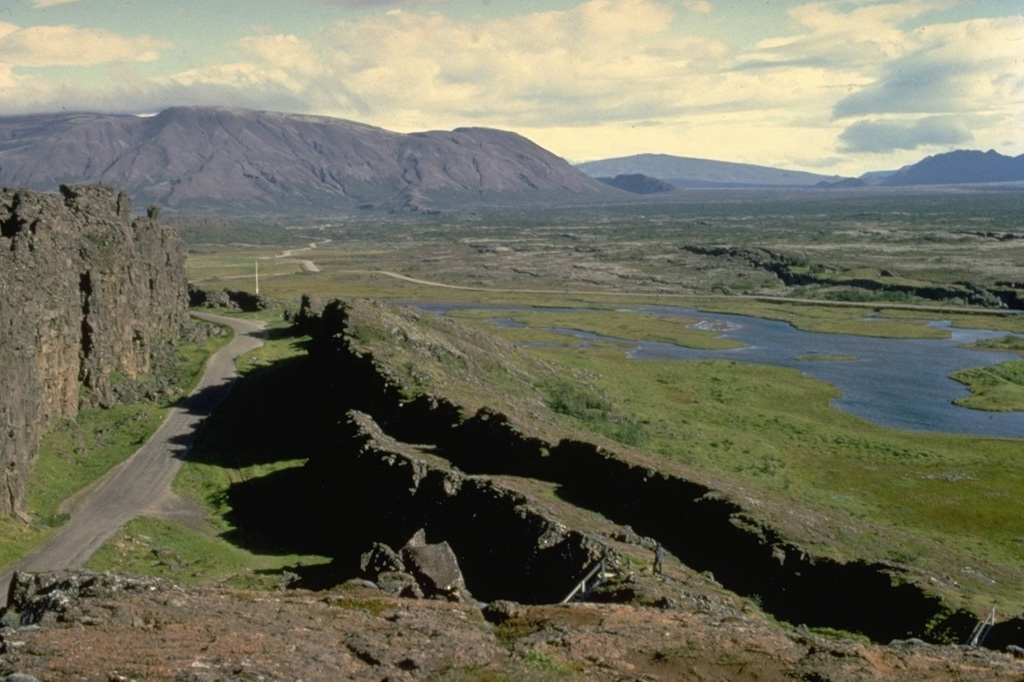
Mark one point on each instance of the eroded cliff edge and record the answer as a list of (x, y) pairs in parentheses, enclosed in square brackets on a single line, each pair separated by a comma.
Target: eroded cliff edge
[(88, 295)]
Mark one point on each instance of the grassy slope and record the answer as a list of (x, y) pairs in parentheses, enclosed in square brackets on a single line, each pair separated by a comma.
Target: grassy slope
[(943, 502), (936, 502)]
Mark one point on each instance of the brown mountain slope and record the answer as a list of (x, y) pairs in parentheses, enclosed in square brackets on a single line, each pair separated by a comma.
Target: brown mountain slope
[(236, 160)]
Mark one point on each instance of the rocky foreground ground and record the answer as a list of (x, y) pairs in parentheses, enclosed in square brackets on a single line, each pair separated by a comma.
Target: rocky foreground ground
[(82, 626)]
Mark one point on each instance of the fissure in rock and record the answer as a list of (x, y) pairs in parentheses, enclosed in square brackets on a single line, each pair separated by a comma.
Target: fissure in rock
[(695, 523)]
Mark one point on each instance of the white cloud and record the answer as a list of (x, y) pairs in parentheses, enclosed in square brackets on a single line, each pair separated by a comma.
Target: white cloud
[(369, 4), (50, 3), (618, 58), (831, 37), (38, 46), (286, 52), (969, 66)]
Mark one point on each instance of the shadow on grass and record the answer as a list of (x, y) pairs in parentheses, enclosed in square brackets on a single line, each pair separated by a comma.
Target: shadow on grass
[(270, 420)]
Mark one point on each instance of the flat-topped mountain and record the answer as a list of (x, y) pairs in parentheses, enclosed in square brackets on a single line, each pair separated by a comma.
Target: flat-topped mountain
[(194, 158), (688, 172)]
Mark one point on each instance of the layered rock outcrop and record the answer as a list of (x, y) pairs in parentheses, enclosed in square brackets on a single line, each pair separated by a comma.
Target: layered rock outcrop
[(87, 295)]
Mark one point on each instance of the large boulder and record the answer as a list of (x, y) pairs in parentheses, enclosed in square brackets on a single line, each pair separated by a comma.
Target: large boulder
[(436, 569)]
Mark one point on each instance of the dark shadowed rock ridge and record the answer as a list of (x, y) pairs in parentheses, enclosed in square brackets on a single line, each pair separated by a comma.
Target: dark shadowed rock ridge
[(89, 294), (793, 271), (235, 160), (637, 183), (709, 526)]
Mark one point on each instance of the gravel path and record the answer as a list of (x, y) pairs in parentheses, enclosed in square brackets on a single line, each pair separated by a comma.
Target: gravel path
[(142, 483)]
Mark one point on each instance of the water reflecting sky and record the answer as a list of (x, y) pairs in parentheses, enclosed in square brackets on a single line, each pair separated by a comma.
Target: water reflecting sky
[(900, 383), (897, 383)]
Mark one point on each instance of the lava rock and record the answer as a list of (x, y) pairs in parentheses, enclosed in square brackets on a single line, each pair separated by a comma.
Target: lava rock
[(501, 610), (436, 569), (380, 559), (400, 583)]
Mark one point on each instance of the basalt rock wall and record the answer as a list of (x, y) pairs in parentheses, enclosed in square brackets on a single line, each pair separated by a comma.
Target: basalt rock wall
[(705, 528), (507, 548), (87, 294)]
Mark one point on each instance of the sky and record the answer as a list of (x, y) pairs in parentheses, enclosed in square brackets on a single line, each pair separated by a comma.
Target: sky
[(834, 87)]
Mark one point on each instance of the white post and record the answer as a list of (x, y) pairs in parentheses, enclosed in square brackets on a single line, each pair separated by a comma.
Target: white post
[(257, 278)]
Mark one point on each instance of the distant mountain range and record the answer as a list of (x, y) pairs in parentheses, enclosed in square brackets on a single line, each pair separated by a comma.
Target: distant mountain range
[(243, 162), (237, 160), (637, 183), (962, 167), (689, 173)]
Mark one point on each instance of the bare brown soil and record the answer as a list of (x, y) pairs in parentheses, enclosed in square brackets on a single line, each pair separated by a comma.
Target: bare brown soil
[(152, 629)]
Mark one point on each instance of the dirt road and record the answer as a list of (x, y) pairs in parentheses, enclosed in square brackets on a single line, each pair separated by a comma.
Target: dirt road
[(142, 483)]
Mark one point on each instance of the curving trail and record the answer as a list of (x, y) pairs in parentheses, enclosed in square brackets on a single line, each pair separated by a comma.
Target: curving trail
[(142, 483), (306, 265)]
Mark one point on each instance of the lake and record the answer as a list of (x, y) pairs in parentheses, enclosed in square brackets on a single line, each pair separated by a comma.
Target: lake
[(896, 383)]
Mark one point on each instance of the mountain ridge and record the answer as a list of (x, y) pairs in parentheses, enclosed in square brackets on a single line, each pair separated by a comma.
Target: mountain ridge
[(961, 166), (957, 167), (188, 158), (234, 161)]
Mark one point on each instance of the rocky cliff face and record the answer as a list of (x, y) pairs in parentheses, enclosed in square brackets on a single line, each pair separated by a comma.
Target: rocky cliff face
[(87, 294)]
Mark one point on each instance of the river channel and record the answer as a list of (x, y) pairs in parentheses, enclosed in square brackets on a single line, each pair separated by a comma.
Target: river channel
[(896, 383)]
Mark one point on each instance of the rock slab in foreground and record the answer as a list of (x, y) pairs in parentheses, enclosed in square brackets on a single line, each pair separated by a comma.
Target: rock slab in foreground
[(115, 627)]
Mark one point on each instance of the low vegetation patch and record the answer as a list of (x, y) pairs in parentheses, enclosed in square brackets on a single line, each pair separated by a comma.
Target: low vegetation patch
[(1010, 342), (76, 453), (197, 555), (998, 388), (679, 330)]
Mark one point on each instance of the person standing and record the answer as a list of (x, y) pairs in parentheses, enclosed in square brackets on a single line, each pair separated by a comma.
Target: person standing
[(659, 559)]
